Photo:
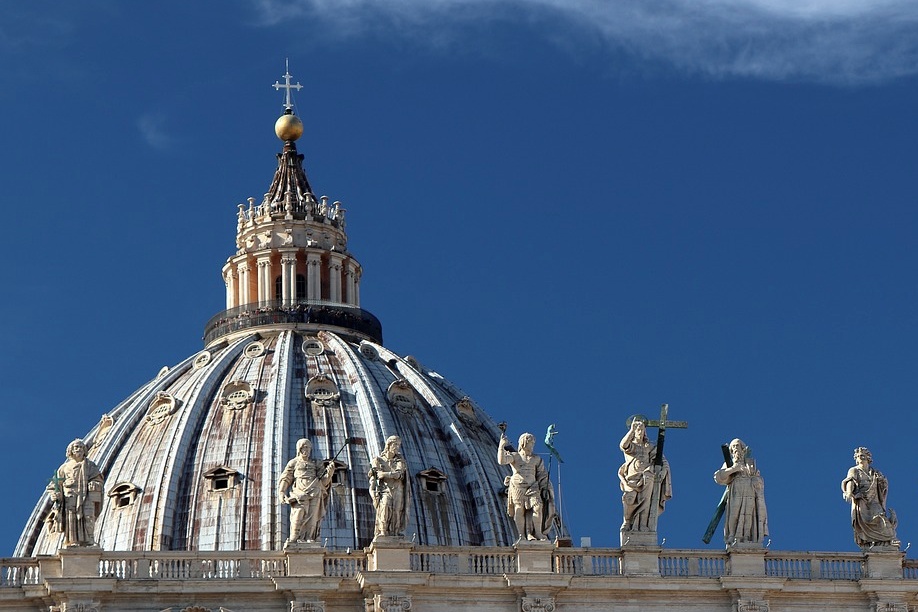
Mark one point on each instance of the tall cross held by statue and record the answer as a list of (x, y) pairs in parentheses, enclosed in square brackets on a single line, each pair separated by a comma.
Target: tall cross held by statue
[(661, 426)]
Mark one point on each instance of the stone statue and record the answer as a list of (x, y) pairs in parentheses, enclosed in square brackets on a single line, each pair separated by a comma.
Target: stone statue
[(530, 497), (308, 482), (390, 489), (637, 480), (76, 490), (746, 521), (866, 489)]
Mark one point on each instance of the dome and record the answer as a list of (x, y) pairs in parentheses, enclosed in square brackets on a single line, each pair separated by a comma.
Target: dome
[(192, 459)]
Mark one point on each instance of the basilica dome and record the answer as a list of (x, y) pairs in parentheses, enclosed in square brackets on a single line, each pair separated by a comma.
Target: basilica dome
[(192, 458)]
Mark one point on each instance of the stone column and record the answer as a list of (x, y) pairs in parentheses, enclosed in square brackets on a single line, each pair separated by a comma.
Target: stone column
[(350, 275), (334, 277), (265, 284), (288, 276), (243, 275), (229, 277), (313, 276)]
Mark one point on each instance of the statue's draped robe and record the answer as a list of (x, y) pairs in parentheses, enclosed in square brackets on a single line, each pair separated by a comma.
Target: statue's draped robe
[(868, 507), (634, 475), (746, 519)]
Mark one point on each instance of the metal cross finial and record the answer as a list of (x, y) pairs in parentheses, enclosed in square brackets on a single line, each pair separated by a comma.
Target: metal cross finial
[(288, 103)]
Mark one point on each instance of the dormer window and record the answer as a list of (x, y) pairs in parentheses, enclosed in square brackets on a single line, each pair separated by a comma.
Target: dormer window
[(162, 406), (432, 481), (313, 347), (221, 478), (123, 494)]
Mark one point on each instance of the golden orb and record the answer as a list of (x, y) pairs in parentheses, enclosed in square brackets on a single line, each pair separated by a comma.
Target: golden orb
[(288, 127)]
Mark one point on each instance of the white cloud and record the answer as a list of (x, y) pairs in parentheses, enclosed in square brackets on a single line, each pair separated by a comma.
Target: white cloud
[(831, 41), (152, 128)]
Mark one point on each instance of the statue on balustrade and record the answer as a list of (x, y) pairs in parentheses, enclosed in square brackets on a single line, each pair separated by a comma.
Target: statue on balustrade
[(866, 488), (746, 520), (645, 488), (390, 490), (76, 490), (305, 484), (530, 496)]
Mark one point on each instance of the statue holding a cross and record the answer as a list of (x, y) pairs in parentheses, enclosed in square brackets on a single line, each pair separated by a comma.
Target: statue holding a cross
[(644, 478)]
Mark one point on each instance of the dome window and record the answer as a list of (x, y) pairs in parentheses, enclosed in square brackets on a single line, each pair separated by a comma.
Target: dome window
[(432, 481), (321, 390), (254, 350), (369, 351), (414, 363), (221, 478), (124, 494), (401, 396), (161, 408), (313, 347), (237, 395), (201, 360)]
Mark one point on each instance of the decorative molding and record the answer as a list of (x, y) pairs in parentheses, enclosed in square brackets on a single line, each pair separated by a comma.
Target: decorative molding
[(307, 606), (887, 606), (751, 605), (392, 603), (537, 604), (76, 607), (368, 351)]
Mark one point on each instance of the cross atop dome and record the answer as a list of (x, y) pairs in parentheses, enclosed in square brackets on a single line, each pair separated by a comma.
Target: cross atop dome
[(288, 102)]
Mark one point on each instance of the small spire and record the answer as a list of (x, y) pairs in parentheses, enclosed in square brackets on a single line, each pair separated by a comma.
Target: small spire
[(288, 103)]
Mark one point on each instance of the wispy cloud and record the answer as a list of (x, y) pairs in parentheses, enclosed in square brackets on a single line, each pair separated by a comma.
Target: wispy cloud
[(153, 130), (828, 41)]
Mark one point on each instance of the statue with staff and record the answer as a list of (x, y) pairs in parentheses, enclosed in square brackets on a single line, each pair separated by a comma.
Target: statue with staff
[(644, 478), (743, 502)]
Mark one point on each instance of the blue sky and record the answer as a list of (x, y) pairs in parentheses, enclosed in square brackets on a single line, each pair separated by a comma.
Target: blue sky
[(575, 210)]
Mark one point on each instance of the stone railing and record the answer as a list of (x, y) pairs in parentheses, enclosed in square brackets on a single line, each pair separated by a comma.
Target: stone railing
[(19, 572), (277, 312), (469, 560)]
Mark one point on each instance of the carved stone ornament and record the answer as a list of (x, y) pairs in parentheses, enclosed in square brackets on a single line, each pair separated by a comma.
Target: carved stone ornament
[(751, 605), (236, 395), (307, 606), (392, 603), (891, 607), (162, 406), (254, 350), (466, 410), (537, 604), (76, 607), (105, 424), (401, 396), (322, 391), (201, 360)]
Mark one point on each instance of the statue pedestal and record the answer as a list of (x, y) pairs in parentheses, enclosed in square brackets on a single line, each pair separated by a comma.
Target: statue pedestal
[(639, 538), (305, 559), (389, 553), (641, 560), (533, 556), (746, 560), (80, 561), (884, 563)]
